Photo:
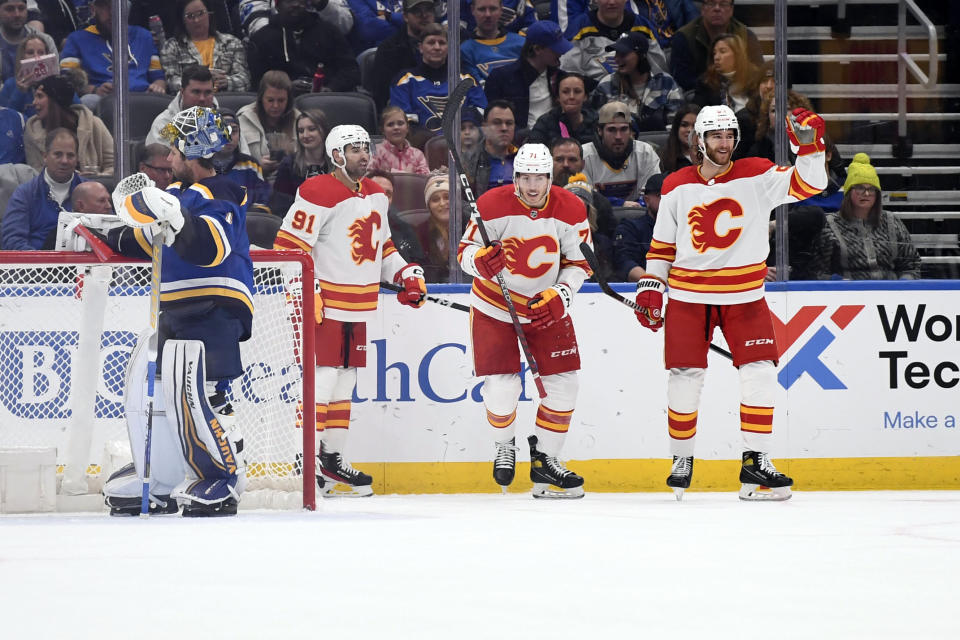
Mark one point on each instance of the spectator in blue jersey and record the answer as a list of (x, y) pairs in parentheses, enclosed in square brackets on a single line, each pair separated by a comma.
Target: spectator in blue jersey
[(401, 50), (667, 16), (617, 165), (374, 21), (692, 44), (422, 91), (492, 164), (490, 46), (295, 41), (516, 16), (632, 238), (591, 33), (529, 84), (14, 30), (90, 49), (11, 132), (240, 167), (17, 91), (653, 97), (572, 117), (30, 223)]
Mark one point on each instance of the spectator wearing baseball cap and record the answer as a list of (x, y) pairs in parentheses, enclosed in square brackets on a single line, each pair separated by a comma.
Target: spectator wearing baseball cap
[(530, 82), (616, 164), (632, 238), (653, 96)]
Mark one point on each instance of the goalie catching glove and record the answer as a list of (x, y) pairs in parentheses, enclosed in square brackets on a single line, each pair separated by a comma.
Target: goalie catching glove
[(414, 292), (650, 300), (550, 305), (805, 131), (149, 207)]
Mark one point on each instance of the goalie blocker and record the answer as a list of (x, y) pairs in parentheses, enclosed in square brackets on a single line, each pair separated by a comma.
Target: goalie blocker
[(196, 456)]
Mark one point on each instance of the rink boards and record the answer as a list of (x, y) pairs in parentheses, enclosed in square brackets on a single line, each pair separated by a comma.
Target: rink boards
[(867, 388)]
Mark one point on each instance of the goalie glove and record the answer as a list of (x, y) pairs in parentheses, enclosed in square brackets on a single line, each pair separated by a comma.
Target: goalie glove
[(549, 305), (650, 300), (414, 292), (490, 260), (152, 207), (805, 130)]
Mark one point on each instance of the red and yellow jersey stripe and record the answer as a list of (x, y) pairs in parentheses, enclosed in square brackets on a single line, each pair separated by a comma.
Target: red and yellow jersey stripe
[(349, 297), (726, 280), (666, 251), (490, 292)]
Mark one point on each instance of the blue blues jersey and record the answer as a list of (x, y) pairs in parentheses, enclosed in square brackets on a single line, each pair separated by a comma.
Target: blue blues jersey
[(517, 15), (479, 57), (89, 50), (422, 94)]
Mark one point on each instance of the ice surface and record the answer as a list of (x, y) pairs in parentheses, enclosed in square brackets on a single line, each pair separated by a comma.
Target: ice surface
[(823, 565)]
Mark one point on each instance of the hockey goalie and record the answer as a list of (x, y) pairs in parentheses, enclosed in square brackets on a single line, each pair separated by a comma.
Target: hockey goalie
[(205, 311)]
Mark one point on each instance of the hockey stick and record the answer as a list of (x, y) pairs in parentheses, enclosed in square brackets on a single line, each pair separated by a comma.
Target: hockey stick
[(441, 301), (607, 289), (450, 121)]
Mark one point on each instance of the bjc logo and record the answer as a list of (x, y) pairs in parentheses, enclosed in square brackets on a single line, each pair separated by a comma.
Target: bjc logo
[(807, 358)]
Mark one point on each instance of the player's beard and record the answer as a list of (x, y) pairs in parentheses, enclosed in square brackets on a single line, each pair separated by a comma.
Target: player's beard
[(184, 174), (356, 169), (712, 157)]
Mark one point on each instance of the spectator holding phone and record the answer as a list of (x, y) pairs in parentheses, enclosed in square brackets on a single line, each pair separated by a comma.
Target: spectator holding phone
[(13, 31), (17, 90), (197, 41)]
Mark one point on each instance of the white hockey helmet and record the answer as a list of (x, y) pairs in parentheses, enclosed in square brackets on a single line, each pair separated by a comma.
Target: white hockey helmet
[(532, 158), (716, 118), (343, 135), (197, 132)]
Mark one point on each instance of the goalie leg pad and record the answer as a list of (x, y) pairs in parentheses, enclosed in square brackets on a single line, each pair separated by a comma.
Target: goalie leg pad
[(214, 468)]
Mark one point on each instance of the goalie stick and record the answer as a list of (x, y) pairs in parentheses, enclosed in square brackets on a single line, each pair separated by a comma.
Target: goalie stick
[(441, 301), (450, 124), (607, 289)]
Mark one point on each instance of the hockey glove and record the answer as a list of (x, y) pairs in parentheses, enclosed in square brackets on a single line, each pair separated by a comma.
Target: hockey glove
[(490, 260), (805, 131), (152, 207), (317, 303), (650, 300), (549, 305), (414, 292)]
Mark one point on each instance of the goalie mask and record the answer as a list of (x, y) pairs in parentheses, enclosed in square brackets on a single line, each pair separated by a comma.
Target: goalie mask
[(342, 136), (715, 118), (532, 158), (197, 132)]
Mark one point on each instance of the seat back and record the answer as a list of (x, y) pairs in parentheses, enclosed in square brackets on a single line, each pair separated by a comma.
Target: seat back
[(233, 100), (365, 61), (656, 138), (436, 152), (414, 217), (262, 228), (142, 109), (408, 191), (342, 108)]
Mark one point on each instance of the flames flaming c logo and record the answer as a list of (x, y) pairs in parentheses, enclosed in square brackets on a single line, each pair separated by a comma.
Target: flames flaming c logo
[(519, 251), (362, 245), (703, 224)]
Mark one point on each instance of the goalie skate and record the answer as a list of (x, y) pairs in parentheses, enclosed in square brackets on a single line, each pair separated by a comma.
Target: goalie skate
[(550, 478), (681, 473), (505, 462), (761, 481), (337, 479)]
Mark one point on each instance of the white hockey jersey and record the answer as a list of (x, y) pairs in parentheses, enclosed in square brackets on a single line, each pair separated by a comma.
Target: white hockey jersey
[(542, 248), (348, 236), (625, 183), (711, 238)]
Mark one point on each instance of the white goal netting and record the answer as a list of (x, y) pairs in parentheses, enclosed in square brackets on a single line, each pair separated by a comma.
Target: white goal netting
[(65, 341)]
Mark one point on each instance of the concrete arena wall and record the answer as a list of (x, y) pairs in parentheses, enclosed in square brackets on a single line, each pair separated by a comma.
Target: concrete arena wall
[(867, 394)]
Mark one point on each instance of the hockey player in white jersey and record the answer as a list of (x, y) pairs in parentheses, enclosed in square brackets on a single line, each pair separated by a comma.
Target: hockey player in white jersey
[(341, 220), (535, 231), (709, 249), (206, 310)]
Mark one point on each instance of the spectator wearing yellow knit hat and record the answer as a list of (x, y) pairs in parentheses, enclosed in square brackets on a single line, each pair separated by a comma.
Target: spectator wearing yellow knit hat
[(861, 241)]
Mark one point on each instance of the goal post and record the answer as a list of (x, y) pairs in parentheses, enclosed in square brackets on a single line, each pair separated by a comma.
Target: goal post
[(68, 324)]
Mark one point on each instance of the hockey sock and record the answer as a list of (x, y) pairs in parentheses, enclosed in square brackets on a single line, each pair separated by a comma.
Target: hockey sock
[(683, 429), (336, 425), (756, 426), (757, 392), (503, 425), (551, 429)]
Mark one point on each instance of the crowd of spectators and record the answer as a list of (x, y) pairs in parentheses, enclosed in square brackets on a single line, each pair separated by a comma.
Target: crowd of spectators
[(592, 80)]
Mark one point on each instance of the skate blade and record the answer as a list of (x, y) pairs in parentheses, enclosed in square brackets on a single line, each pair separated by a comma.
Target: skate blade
[(341, 490), (542, 490), (760, 493), (678, 493)]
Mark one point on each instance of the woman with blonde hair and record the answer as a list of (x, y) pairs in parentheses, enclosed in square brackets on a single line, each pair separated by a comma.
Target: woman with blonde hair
[(310, 159), (267, 125)]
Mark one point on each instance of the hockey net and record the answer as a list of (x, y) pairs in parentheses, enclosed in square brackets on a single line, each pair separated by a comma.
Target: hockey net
[(68, 323)]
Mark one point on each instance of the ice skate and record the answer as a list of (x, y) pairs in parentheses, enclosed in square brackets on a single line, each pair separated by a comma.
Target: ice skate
[(550, 478), (199, 510), (681, 473), (761, 480), (337, 479), (505, 462)]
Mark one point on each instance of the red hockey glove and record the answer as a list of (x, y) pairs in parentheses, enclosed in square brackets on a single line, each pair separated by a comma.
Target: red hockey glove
[(650, 299), (414, 292), (805, 130), (550, 305), (317, 303), (490, 261)]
